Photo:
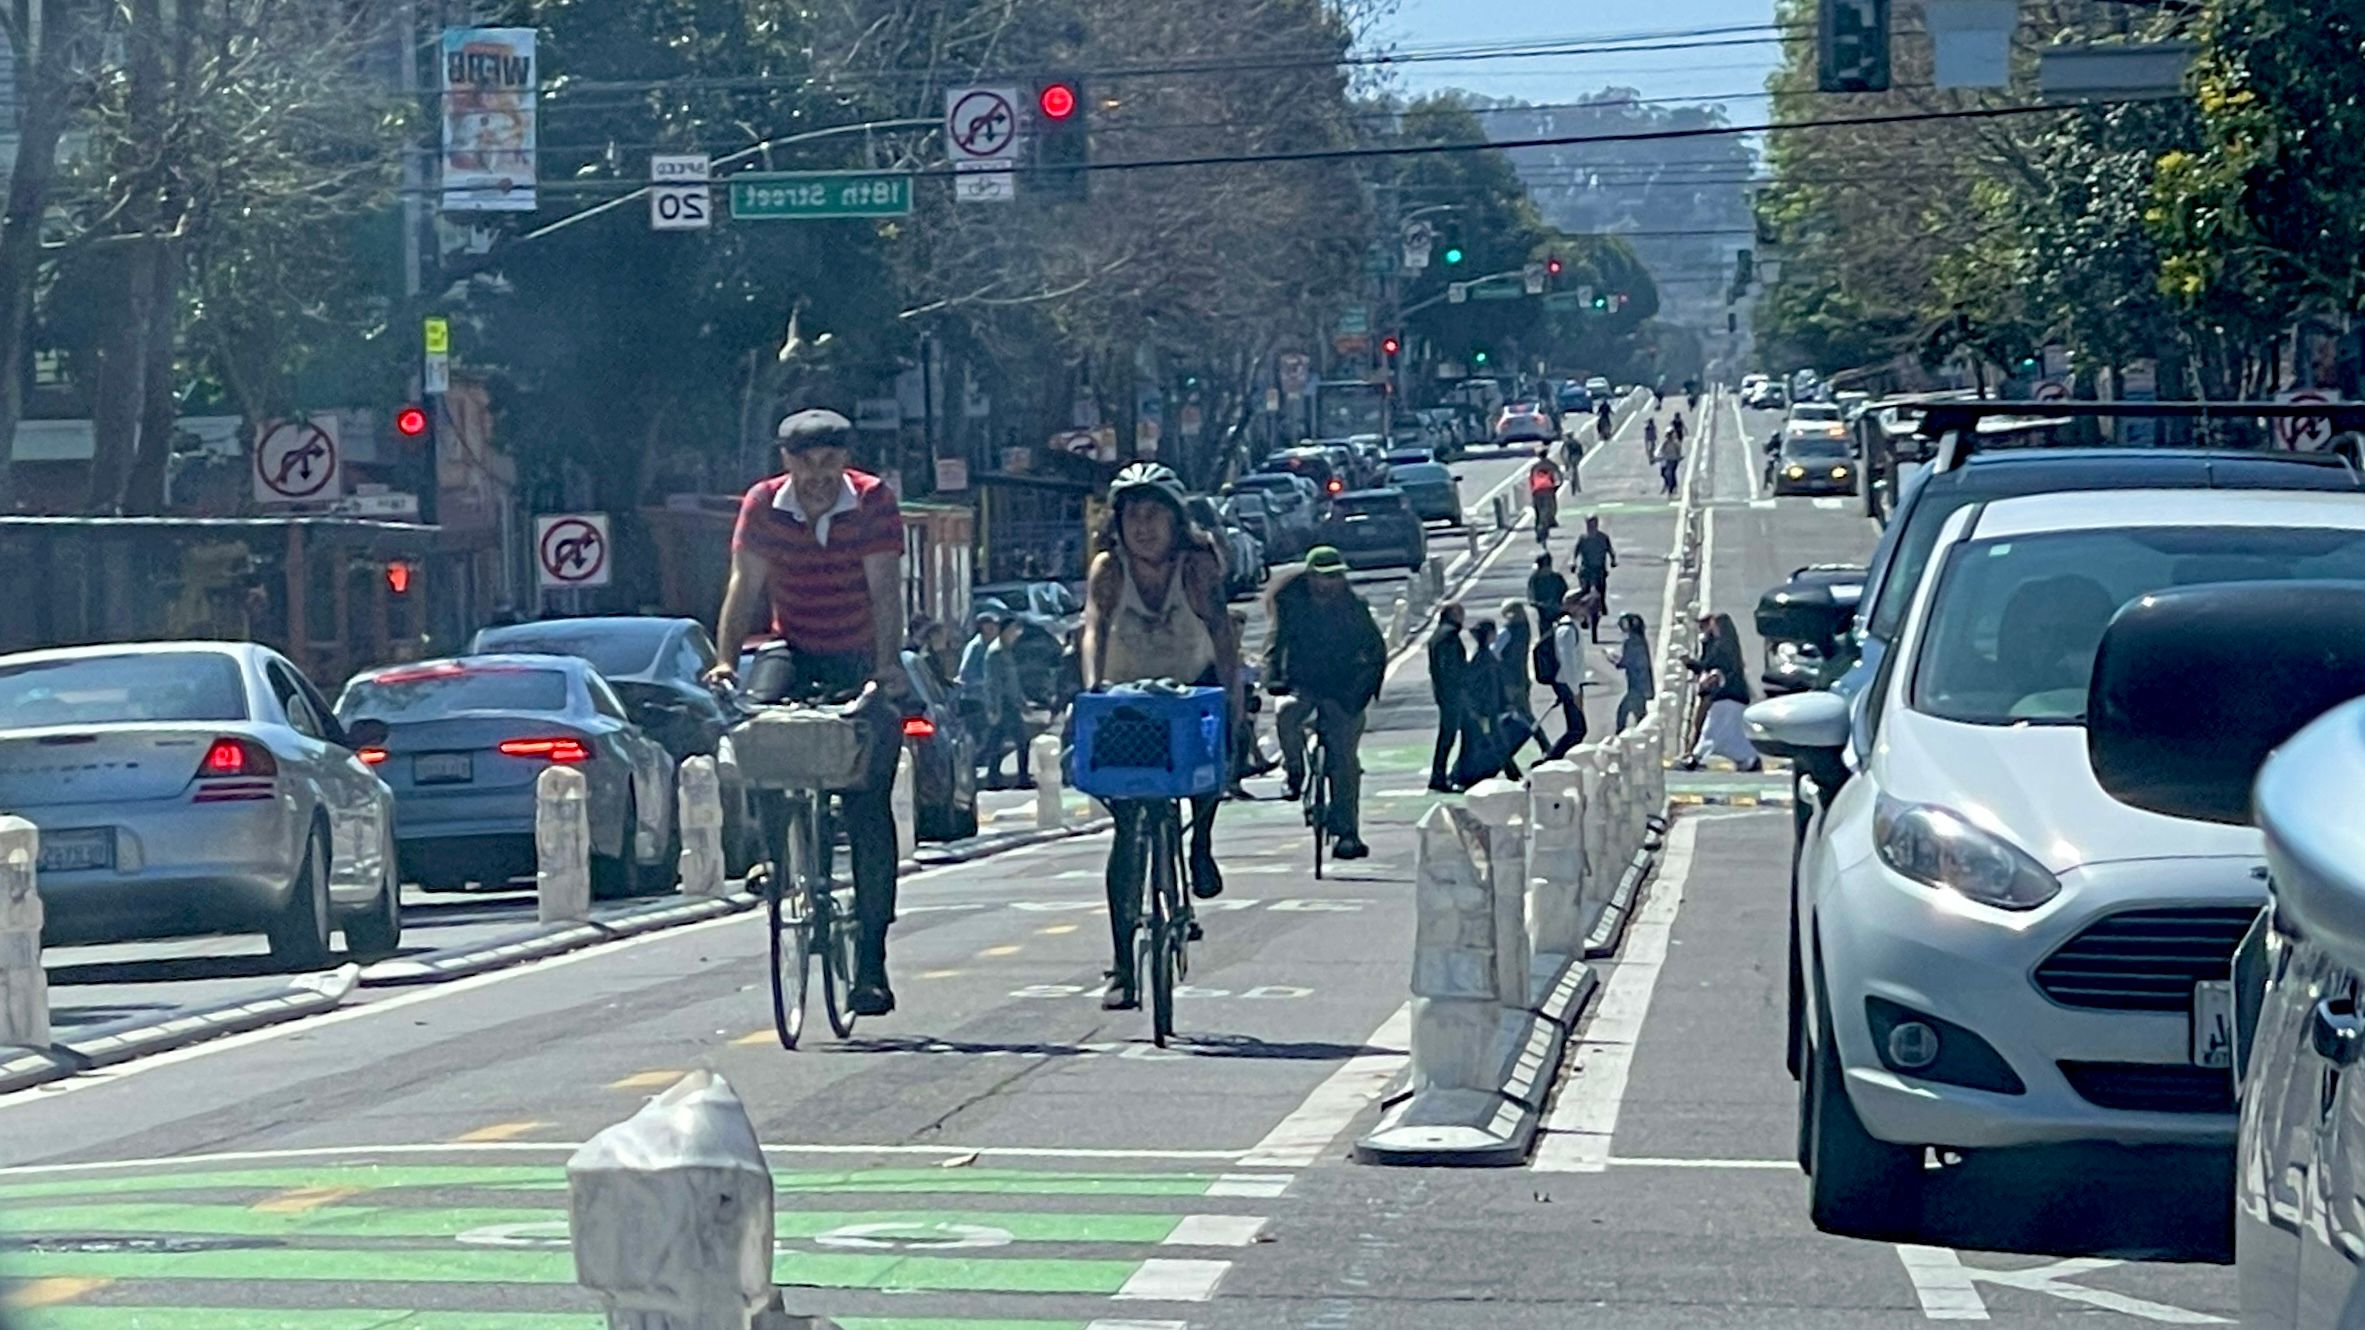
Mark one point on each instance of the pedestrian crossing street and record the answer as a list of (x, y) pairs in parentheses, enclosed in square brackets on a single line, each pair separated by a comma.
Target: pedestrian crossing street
[(477, 1240)]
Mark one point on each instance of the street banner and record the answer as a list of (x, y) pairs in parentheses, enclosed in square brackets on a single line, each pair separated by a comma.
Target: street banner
[(489, 78)]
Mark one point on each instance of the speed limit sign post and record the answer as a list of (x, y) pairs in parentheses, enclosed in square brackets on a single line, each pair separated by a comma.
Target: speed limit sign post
[(678, 197)]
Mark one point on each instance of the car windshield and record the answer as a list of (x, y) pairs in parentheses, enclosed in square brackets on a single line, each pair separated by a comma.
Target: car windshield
[(1815, 448), (436, 693), (110, 690), (2017, 620), (613, 652)]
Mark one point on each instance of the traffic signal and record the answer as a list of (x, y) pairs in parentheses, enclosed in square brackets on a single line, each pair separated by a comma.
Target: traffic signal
[(411, 422), (1852, 45), (1389, 346), (1453, 255), (1478, 357), (1553, 265), (398, 576), (1062, 147), (1601, 302)]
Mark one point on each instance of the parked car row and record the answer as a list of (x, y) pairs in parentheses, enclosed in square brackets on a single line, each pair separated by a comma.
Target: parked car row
[(2028, 908)]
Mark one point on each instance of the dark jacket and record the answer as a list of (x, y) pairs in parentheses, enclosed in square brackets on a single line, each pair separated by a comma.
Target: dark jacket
[(1449, 668), (1723, 654), (1325, 647), (1545, 591), (1485, 687)]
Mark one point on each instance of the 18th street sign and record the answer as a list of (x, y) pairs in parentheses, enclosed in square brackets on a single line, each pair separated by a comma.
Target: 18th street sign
[(799, 196)]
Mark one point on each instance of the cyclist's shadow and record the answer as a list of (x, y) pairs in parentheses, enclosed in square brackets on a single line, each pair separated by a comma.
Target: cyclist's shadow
[(1183, 1045)]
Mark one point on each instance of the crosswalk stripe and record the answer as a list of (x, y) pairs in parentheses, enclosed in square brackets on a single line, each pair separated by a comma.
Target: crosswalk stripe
[(1216, 1231), (1174, 1281)]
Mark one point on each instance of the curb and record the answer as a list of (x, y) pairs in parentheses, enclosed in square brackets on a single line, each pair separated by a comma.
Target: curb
[(985, 847), (305, 996), (1476, 1129), (1738, 800), (1610, 930), (23, 1067)]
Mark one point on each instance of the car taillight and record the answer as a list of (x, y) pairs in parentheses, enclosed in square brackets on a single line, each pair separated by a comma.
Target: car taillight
[(372, 756), (553, 750), (1337, 485), (235, 770), (918, 727)]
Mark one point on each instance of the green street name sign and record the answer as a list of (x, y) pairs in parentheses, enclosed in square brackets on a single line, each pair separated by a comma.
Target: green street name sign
[(801, 195), (1495, 291), (1563, 300)]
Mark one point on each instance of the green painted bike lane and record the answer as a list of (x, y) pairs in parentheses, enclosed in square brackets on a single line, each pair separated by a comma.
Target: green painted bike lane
[(117, 1244)]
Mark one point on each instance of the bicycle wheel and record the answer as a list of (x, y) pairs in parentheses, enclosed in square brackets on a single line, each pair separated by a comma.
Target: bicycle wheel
[(1161, 935), (835, 938), (1318, 800), (792, 932)]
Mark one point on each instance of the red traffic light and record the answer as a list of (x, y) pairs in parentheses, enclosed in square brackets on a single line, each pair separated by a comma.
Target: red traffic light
[(398, 577), (410, 422), (1057, 101), (1552, 265), (1390, 346)]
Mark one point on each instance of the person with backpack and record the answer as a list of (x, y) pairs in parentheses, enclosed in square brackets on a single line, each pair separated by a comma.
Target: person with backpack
[(1558, 659)]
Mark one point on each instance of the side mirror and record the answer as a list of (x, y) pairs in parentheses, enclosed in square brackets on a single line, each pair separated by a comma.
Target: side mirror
[(2194, 686), (368, 732), (1810, 729)]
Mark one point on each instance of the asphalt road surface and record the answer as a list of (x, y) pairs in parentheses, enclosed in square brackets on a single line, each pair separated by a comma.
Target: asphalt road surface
[(1000, 1154)]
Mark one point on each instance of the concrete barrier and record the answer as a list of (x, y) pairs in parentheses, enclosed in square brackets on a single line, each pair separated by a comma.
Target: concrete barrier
[(700, 807), (1051, 810), (671, 1216), (1488, 1028), (1556, 859), (24, 986), (1399, 622), (562, 847)]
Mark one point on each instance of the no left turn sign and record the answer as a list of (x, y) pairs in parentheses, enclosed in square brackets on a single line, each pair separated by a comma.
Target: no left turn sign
[(573, 549), (2306, 433), (295, 462)]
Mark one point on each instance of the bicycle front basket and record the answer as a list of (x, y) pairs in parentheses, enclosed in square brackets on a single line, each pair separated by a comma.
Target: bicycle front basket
[(1140, 743), (804, 748)]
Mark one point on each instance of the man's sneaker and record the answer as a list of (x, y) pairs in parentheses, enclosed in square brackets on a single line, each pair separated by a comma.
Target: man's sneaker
[(1350, 848), (1207, 881), (1121, 994), (873, 1000), (1293, 789)]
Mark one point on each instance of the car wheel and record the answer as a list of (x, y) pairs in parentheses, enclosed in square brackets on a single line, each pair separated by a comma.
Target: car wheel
[(618, 877), (299, 932), (1857, 1186), (376, 930)]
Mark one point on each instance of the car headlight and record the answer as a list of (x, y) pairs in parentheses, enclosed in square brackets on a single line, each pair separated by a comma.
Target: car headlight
[(1937, 847), (1798, 473), (1839, 473)]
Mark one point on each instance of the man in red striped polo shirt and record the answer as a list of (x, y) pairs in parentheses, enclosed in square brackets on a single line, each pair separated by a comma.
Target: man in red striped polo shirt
[(820, 547)]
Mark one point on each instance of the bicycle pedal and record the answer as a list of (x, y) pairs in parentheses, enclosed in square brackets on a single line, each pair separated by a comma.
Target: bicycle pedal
[(1192, 931)]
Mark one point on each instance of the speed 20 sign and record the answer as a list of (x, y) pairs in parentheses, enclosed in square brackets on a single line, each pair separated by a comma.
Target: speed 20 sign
[(678, 198)]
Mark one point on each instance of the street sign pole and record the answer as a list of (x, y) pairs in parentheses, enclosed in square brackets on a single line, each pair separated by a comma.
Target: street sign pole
[(436, 343)]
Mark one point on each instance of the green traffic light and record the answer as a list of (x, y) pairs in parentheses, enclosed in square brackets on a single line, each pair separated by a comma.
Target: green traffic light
[(1454, 255), (1479, 358)]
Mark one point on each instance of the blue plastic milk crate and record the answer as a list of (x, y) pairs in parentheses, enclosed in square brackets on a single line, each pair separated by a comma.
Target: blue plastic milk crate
[(1137, 742)]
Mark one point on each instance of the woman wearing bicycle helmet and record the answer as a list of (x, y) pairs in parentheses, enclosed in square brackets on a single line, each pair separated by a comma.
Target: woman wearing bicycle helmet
[(1154, 608)]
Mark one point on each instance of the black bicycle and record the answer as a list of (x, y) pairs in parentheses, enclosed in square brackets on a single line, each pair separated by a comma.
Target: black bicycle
[(1316, 795), (1162, 932)]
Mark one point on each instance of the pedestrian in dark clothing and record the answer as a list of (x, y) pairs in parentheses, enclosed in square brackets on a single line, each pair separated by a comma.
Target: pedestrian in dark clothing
[(1515, 647), (1486, 748), (1449, 669), (1633, 660), (1723, 675), (1545, 590), (1594, 558)]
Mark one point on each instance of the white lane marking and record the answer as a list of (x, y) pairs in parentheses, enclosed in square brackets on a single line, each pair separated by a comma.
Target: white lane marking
[(434, 992), (1584, 1119), (1106, 1324), (1309, 1129), (1651, 1161), (1162, 1280), (1942, 1283), (568, 1147), (1828, 503), (1741, 432), (1253, 1186), (1215, 1231), (2049, 1279)]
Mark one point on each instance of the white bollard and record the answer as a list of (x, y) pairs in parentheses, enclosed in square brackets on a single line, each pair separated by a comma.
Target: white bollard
[(1457, 998), (1556, 859), (1639, 764), (24, 987), (670, 1213), (700, 808), (1613, 808), (1399, 621), (562, 846), (1434, 573), (1501, 809), (1601, 876), (900, 798), (1051, 809)]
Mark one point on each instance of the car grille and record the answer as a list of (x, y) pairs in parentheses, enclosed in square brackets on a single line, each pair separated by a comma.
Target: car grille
[(2144, 1087), (2145, 960)]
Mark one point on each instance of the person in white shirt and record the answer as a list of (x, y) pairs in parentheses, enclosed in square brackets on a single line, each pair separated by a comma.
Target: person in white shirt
[(1568, 682)]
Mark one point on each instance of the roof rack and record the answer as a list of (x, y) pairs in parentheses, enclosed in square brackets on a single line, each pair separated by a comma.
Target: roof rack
[(1958, 424)]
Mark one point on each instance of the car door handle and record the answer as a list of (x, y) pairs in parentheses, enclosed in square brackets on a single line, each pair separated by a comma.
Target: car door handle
[(2337, 1031)]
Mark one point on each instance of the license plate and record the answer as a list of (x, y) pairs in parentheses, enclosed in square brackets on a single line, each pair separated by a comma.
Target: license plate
[(71, 851), (2213, 1024), (442, 768)]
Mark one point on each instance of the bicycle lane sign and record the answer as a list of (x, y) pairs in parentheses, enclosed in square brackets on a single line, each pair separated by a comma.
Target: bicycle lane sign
[(573, 550)]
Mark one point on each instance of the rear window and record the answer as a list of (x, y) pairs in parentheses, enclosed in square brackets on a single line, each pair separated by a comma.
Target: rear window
[(1372, 503), (1814, 411), (613, 652), (106, 690), (415, 695)]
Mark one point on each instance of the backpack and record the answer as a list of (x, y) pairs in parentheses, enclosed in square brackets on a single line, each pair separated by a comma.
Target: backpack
[(1546, 658)]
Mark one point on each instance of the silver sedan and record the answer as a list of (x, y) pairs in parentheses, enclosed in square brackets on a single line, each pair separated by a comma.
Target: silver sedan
[(196, 787)]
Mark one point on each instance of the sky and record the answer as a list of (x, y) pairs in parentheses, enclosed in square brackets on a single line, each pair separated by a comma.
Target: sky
[(1722, 74)]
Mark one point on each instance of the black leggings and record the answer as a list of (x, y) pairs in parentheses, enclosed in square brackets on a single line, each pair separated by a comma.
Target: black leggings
[(1127, 868)]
